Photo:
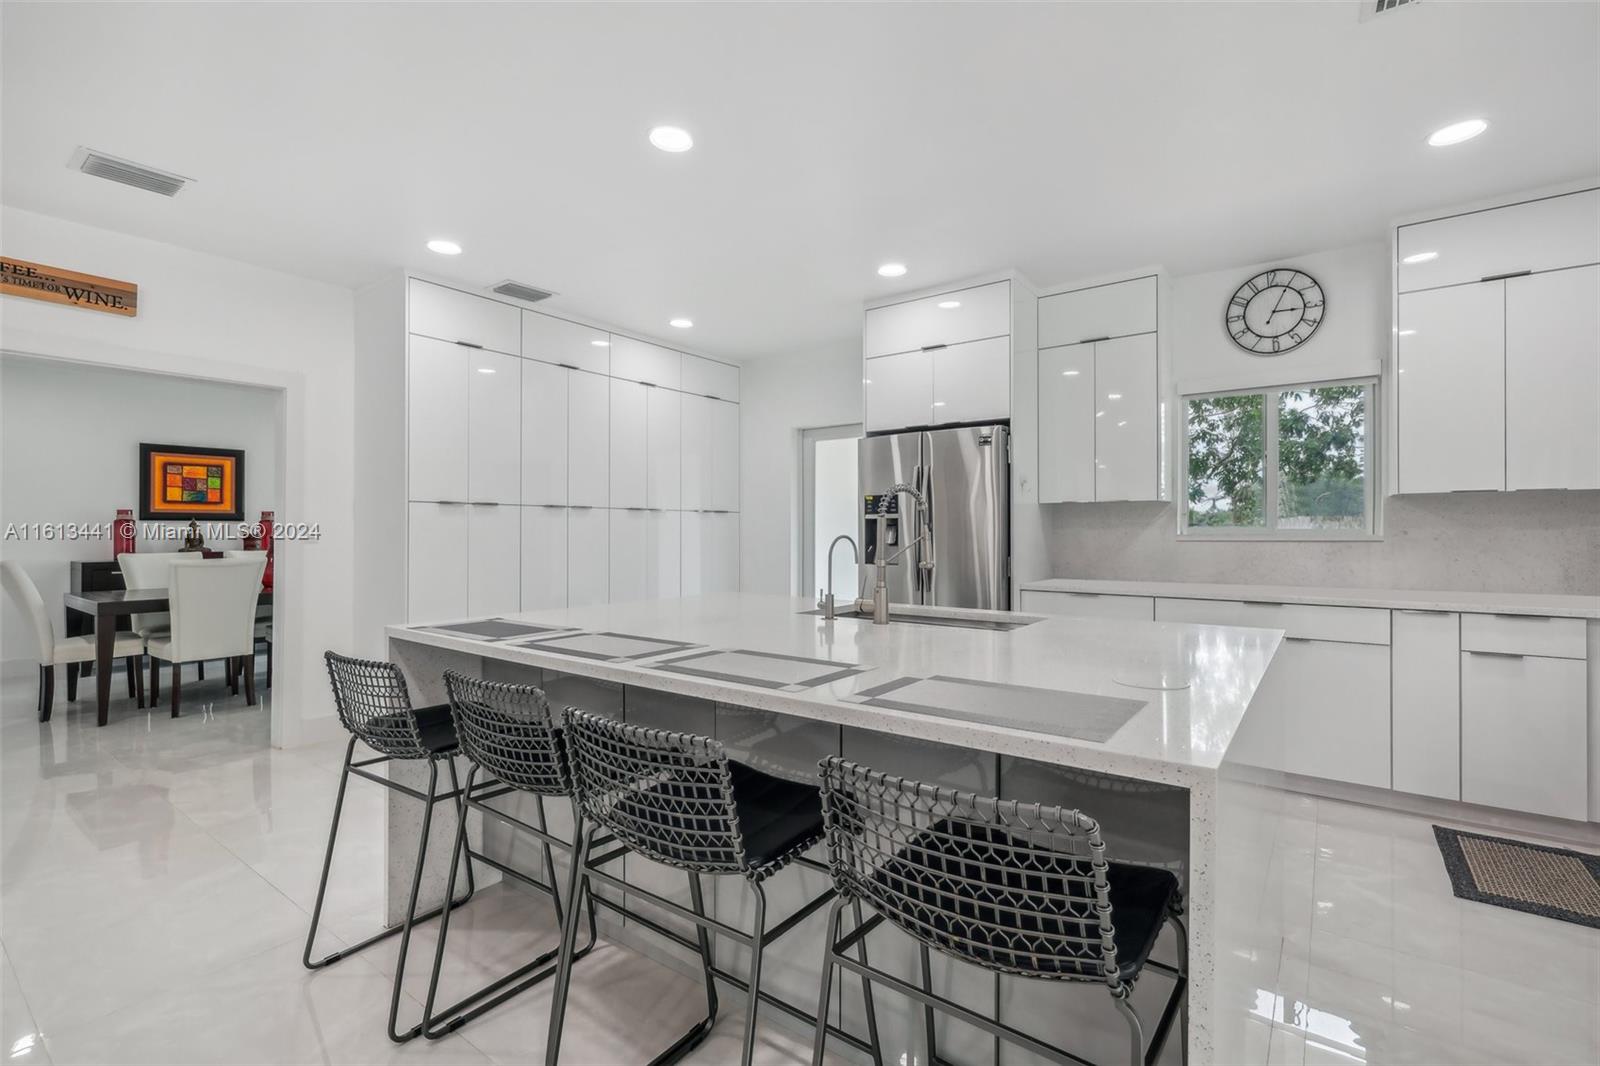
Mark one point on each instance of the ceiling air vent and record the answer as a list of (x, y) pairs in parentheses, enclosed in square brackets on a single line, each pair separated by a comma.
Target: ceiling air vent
[(127, 172), (1371, 9), (518, 291)]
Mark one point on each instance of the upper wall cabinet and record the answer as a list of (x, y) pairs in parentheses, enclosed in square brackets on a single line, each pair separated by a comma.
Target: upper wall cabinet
[(1497, 348), (707, 377), (1099, 393), (462, 318), (649, 364), (1529, 237), (555, 340), (1098, 312), (948, 318)]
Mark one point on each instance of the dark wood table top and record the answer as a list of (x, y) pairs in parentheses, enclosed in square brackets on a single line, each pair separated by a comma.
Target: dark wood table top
[(129, 601)]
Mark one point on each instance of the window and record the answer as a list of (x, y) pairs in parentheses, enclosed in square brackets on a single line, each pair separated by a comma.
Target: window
[(1283, 462)]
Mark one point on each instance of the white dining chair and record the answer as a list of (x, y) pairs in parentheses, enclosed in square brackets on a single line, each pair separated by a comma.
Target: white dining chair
[(213, 607), (147, 570), (263, 616), (66, 651)]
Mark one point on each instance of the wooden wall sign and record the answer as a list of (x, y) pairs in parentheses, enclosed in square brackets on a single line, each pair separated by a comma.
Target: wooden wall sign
[(18, 277)]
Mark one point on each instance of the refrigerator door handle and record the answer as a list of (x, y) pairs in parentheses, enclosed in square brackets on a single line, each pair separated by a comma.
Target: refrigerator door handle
[(926, 558)]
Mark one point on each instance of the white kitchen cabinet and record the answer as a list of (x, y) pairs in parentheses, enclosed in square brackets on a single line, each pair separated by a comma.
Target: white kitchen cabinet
[(494, 553), (972, 382), (1549, 233), (1450, 382), (436, 419), (1125, 419), (707, 377), (1310, 621), (1525, 634), (649, 364), (949, 318), (630, 444), (724, 456), (1524, 733), (1552, 379), (1088, 605), (462, 318), (588, 440), (1098, 312), (1330, 702), (695, 436), (494, 433), (436, 550), (646, 549), (1066, 424), (555, 340), (544, 558), (663, 416), (1426, 733), (899, 391), (544, 433), (588, 562), (710, 553)]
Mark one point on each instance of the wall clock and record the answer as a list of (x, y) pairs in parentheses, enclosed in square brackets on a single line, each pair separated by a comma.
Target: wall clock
[(1275, 312)]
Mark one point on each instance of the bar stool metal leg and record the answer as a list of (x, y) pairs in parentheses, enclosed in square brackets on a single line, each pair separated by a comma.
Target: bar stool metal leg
[(410, 918), (576, 883), (866, 990), (756, 944)]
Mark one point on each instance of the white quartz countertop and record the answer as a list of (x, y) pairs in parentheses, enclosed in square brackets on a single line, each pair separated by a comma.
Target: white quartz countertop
[(1531, 603), (1191, 685)]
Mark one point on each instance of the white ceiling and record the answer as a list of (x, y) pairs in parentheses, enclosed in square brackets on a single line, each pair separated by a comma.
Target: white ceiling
[(1070, 140)]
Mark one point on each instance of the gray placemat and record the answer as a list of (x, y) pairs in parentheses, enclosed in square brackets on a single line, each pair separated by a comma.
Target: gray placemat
[(607, 646), (760, 668), (1079, 715), (498, 628)]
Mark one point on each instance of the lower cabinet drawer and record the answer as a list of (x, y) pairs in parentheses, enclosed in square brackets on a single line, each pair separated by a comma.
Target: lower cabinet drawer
[(1525, 733), (1560, 638), (1323, 711), (1356, 625), (1088, 605)]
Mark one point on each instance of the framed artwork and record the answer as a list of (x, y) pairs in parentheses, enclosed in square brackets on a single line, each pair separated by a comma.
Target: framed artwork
[(177, 481)]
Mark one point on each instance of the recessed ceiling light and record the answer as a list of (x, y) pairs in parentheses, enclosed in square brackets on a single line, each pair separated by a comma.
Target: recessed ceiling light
[(1457, 132), (938, 403), (601, 344), (1420, 257), (671, 139), (1070, 373), (891, 270), (444, 247), (486, 370), (1113, 395), (680, 323), (949, 305)]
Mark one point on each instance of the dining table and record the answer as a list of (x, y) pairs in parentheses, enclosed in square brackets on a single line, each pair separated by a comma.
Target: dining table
[(105, 606)]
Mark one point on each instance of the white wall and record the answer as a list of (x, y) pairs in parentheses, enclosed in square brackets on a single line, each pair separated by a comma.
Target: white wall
[(208, 317), (778, 398), (81, 472)]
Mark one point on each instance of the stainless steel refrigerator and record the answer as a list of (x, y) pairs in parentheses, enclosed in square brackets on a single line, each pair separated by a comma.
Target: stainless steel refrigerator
[(965, 476)]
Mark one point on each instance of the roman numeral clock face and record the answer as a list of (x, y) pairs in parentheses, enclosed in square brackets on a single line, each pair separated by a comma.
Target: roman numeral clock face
[(1275, 312)]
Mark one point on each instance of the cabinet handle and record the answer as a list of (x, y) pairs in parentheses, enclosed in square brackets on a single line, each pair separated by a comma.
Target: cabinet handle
[(469, 344), (1261, 603), (933, 347), (1495, 654), (648, 384), (1090, 595), (1507, 274), (1526, 617), (711, 396), (566, 366), (1421, 610), (486, 503), (452, 503), (1095, 340)]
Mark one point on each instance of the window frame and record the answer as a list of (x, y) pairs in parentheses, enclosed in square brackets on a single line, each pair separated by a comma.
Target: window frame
[(1271, 397)]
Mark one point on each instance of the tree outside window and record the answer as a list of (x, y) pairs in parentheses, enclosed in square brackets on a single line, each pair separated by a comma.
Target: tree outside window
[(1290, 460)]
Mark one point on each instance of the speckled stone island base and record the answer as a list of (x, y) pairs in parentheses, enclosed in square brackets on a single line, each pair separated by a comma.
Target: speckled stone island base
[(1553, 882)]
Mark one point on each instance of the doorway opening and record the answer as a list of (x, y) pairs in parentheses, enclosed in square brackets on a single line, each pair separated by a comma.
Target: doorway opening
[(830, 495)]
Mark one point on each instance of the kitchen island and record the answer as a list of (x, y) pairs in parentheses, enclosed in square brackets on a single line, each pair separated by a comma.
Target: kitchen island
[(1128, 721)]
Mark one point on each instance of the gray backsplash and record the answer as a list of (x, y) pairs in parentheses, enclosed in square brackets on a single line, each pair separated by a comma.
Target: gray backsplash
[(1491, 542)]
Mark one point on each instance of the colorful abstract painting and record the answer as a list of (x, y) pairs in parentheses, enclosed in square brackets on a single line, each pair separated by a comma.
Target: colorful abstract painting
[(181, 482)]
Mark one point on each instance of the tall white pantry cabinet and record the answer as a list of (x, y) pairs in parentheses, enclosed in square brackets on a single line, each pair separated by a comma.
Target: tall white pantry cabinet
[(509, 459)]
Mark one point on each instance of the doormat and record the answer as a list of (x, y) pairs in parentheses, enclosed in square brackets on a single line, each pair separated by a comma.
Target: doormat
[(1553, 882)]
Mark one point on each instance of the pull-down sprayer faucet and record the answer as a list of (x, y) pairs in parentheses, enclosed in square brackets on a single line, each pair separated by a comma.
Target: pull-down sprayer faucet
[(880, 591)]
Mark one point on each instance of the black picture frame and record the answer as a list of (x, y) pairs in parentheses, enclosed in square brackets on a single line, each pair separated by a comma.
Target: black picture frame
[(147, 514)]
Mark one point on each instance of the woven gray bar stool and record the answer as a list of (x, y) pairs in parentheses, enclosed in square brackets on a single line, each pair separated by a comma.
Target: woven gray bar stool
[(515, 748), (375, 707), (1016, 888), (678, 799)]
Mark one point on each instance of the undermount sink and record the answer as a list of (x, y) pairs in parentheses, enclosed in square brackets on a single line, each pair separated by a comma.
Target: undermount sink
[(990, 625)]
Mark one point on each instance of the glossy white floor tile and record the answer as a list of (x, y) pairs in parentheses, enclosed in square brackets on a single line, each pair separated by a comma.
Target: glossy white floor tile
[(155, 879)]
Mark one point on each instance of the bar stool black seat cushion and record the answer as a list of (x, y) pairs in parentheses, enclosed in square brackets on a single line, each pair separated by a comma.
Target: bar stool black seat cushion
[(961, 885), (777, 818), (433, 723)]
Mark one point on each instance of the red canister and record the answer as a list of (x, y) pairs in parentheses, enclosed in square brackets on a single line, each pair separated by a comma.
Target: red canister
[(122, 532), (266, 542)]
